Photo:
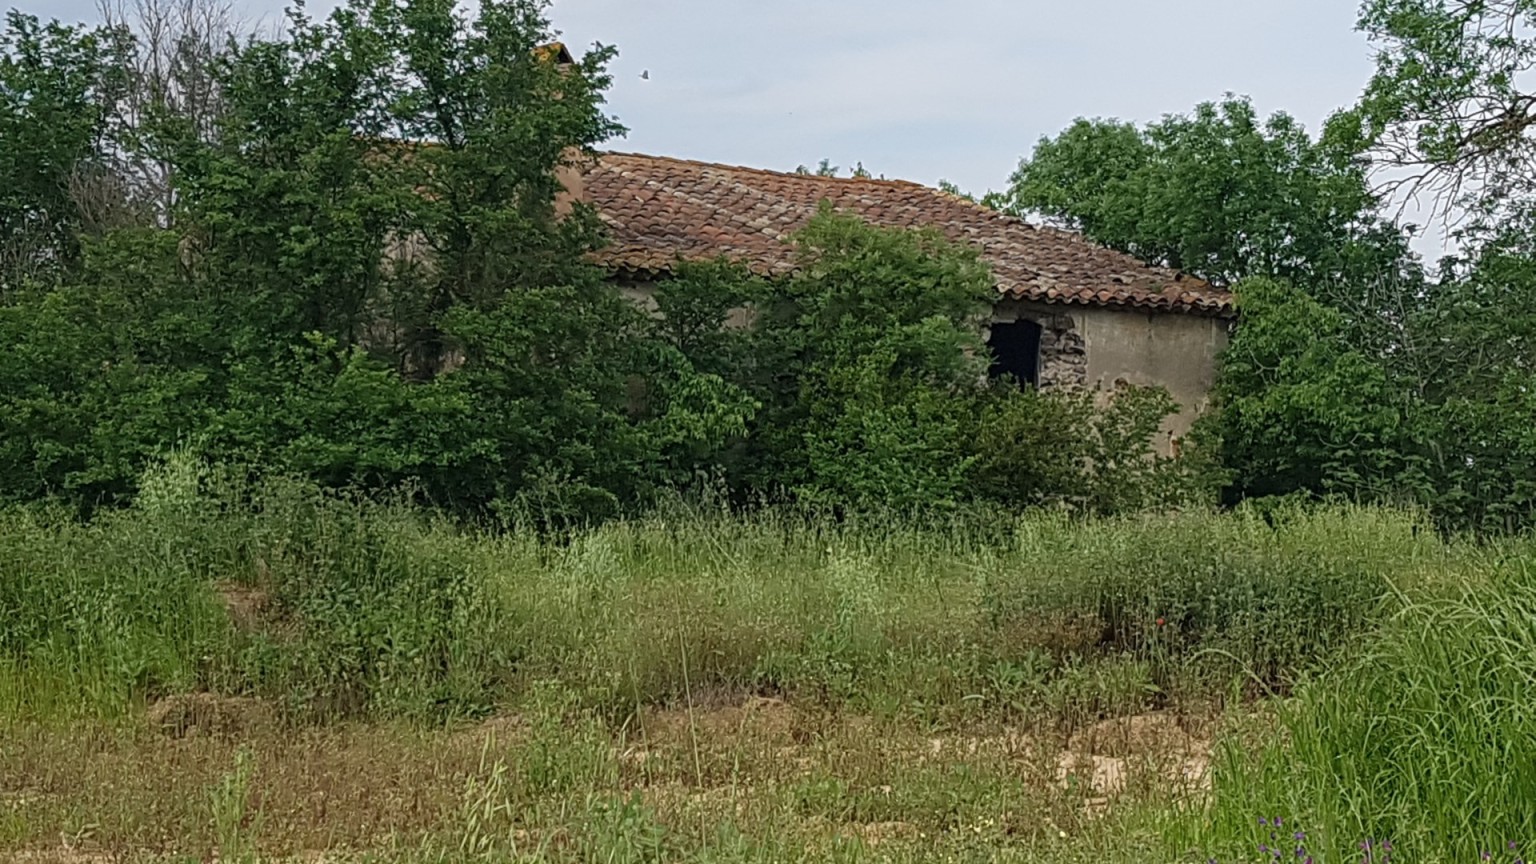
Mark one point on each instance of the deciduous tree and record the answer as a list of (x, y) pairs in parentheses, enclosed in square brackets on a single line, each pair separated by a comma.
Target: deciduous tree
[(1220, 193)]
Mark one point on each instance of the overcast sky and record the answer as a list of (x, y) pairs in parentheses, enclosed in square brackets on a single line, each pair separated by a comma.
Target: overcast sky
[(957, 90)]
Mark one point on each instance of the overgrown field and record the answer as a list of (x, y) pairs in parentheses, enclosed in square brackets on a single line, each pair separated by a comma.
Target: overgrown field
[(271, 672)]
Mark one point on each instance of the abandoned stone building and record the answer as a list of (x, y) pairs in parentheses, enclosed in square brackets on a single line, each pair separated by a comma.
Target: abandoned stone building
[(1069, 313)]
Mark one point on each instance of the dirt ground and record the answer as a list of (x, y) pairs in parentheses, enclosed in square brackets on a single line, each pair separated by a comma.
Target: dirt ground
[(98, 795)]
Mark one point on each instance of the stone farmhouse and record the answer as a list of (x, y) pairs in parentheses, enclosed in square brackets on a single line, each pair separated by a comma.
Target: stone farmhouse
[(1069, 313)]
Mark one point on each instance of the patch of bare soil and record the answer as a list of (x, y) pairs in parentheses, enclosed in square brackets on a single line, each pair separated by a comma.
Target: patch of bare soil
[(760, 717), (1009, 744), (205, 714), (1101, 760), (1094, 776), (246, 605)]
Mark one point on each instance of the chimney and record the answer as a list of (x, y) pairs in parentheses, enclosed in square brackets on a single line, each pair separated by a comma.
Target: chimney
[(573, 163)]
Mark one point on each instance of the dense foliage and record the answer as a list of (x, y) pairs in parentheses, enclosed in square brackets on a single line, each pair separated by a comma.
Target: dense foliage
[(342, 253), (364, 274), (59, 87), (1353, 373), (319, 281), (869, 379), (1221, 194)]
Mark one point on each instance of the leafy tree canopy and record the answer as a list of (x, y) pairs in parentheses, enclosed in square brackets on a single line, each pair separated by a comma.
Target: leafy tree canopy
[(1452, 104), (59, 86), (1220, 193)]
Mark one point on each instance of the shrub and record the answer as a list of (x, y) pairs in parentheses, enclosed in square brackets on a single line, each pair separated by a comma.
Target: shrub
[(1214, 596), (868, 372), (868, 367), (1303, 407), (1073, 449)]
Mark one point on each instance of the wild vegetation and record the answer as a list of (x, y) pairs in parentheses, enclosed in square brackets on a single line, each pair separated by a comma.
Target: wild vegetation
[(283, 670), (1354, 373), (363, 230), (347, 510)]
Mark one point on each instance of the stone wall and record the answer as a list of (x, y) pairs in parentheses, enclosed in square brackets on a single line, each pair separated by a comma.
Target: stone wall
[(1063, 350), (1102, 348), (1063, 353)]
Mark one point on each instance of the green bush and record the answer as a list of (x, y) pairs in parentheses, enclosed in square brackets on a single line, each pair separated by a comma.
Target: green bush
[(867, 370), (868, 378), (1303, 407), (1212, 596), (1072, 449)]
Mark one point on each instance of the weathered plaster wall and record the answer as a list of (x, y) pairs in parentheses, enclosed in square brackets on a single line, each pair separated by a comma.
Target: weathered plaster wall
[(1102, 348), (1177, 351)]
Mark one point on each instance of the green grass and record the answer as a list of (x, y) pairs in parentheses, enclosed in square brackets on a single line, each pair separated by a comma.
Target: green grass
[(925, 679), (375, 609), (1424, 737)]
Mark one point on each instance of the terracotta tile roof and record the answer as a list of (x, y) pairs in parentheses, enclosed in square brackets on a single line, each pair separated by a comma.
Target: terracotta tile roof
[(659, 210)]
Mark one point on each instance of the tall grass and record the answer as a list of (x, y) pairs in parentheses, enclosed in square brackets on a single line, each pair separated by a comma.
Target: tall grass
[(1396, 668), (92, 615), (375, 607), (1425, 738)]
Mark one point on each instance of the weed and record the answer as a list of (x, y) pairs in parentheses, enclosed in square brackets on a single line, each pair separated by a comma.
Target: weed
[(705, 686), (1414, 738), (235, 826)]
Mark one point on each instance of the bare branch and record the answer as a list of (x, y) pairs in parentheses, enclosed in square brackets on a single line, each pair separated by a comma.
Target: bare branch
[(171, 77)]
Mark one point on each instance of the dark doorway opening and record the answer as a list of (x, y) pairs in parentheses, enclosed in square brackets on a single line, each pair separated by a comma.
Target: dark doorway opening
[(1016, 351)]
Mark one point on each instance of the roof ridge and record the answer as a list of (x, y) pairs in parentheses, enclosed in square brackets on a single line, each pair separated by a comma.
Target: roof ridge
[(667, 208), (984, 210), (816, 178), (1071, 236)]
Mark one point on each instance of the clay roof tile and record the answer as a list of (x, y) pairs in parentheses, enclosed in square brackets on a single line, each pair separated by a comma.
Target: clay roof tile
[(660, 209)]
